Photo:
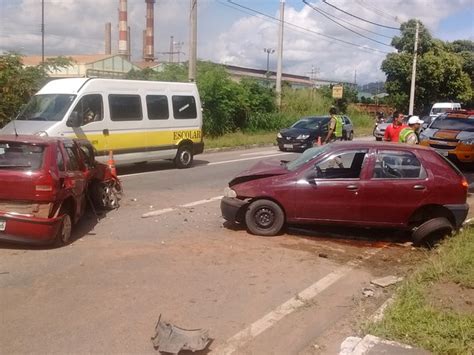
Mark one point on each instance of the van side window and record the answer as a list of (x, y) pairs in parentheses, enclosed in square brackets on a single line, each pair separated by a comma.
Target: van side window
[(184, 107), (90, 108), (125, 107), (157, 107)]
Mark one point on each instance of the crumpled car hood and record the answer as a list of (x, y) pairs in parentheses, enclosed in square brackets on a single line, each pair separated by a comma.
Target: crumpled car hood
[(260, 170)]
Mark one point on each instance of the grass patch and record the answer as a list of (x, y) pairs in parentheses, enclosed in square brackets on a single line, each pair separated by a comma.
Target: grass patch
[(237, 139), (419, 318)]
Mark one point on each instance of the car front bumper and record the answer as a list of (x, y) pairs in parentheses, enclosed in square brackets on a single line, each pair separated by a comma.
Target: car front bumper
[(232, 209), (29, 230), (460, 213), (298, 145)]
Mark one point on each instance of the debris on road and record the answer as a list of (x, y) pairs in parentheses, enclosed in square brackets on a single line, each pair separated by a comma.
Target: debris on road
[(172, 339), (323, 255), (386, 281), (368, 292)]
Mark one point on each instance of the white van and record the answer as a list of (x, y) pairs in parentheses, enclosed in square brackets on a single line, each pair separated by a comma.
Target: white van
[(442, 107), (138, 120)]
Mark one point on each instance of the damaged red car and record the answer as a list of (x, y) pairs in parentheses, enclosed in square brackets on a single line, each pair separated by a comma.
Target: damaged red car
[(363, 184), (43, 187)]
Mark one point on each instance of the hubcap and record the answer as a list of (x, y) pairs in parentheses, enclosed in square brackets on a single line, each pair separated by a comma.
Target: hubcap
[(264, 217), (185, 157)]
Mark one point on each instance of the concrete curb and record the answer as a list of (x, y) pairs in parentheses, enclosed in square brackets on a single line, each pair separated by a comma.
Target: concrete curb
[(230, 149), (371, 344)]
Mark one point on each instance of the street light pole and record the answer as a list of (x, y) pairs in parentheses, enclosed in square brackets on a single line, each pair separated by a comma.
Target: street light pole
[(42, 31), (268, 51)]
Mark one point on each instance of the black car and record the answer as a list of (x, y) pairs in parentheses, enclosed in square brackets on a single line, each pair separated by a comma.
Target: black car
[(305, 133)]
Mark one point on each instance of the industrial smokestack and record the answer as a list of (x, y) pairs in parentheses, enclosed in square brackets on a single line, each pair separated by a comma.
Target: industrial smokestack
[(149, 37), (123, 40), (108, 38)]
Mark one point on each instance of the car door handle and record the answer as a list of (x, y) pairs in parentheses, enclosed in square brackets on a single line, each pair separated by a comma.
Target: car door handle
[(352, 187), (419, 187)]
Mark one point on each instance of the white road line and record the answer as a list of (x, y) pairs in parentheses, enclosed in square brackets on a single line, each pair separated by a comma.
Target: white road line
[(257, 153), (212, 163), (242, 159), (171, 209), (288, 307)]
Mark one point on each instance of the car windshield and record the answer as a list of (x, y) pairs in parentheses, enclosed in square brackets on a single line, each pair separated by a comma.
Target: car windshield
[(311, 122), (21, 156), (50, 107), (438, 110), (457, 124), (308, 154)]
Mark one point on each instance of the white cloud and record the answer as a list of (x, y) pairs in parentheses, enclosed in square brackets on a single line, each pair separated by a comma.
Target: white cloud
[(225, 35)]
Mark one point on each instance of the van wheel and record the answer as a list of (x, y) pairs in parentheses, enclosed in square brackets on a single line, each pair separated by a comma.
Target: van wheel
[(184, 157), (431, 231), (264, 217), (63, 237)]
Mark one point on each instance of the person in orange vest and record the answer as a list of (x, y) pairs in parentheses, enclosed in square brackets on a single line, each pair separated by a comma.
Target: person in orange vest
[(410, 134)]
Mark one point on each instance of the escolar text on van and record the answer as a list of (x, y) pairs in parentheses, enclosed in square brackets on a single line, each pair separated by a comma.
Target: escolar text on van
[(137, 120)]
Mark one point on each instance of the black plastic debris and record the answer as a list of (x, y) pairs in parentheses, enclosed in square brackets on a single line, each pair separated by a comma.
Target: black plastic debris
[(172, 339)]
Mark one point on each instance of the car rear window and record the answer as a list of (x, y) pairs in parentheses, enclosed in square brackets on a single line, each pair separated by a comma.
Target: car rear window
[(21, 156), (458, 124)]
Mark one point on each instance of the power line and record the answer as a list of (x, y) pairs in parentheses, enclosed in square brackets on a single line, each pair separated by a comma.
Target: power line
[(343, 26), (351, 24), (360, 18), (377, 11), (252, 13)]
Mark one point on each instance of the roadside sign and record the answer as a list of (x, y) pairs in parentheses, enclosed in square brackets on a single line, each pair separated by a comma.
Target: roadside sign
[(337, 91)]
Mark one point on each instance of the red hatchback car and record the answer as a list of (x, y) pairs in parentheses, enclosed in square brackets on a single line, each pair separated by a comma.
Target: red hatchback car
[(365, 184), (43, 185)]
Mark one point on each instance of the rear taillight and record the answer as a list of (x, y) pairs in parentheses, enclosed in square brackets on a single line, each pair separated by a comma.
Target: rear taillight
[(464, 183), (45, 183)]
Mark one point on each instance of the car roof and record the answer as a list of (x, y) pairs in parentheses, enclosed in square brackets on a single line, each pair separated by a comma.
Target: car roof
[(32, 139), (378, 145)]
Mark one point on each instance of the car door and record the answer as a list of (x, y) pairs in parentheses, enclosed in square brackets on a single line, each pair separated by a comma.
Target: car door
[(74, 179), (330, 189), (397, 187)]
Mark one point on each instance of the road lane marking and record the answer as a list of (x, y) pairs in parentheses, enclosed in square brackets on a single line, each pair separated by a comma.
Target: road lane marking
[(212, 163), (187, 205), (257, 153), (243, 159), (288, 307)]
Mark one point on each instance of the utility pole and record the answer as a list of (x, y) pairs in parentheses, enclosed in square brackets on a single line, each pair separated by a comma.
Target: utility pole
[(192, 41), (42, 32), (413, 72), (171, 59), (280, 54)]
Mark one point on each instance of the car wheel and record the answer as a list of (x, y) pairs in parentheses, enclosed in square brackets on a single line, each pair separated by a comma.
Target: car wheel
[(184, 157), (378, 139), (264, 217), (351, 136), (282, 149), (431, 231), (104, 196), (63, 237)]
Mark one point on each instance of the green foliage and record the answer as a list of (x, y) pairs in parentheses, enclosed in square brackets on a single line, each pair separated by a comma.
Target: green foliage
[(349, 95), (445, 71), (19, 83)]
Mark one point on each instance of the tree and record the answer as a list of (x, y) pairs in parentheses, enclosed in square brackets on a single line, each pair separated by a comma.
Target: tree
[(19, 83), (444, 70)]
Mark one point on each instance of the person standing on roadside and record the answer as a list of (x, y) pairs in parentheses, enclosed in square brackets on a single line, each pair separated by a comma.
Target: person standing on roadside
[(410, 134), (335, 127), (393, 130)]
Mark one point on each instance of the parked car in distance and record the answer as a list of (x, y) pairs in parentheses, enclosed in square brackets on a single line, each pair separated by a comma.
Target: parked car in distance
[(452, 135), (380, 127), (43, 187), (304, 133), (365, 184)]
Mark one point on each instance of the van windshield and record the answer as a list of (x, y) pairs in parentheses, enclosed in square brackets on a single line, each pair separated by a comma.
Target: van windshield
[(48, 107), (438, 110)]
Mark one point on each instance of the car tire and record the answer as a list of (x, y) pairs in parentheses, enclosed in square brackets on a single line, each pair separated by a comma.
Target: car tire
[(283, 149), (378, 139), (184, 157), (264, 217), (103, 196), (63, 236), (351, 136), (431, 231)]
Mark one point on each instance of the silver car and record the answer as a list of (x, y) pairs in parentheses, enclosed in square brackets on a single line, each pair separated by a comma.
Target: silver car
[(379, 130)]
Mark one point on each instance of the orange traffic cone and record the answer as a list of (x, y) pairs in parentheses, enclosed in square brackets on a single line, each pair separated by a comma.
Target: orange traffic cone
[(111, 164)]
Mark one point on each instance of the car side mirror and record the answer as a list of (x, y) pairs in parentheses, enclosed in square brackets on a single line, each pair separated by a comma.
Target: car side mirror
[(74, 120)]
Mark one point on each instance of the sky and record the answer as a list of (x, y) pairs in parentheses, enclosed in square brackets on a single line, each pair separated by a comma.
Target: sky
[(236, 32)]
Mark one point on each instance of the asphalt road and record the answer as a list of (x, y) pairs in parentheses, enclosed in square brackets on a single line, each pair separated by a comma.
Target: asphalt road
[(300, 292)]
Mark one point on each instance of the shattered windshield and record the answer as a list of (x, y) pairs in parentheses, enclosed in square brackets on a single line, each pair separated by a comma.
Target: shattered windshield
[(48, 107)]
